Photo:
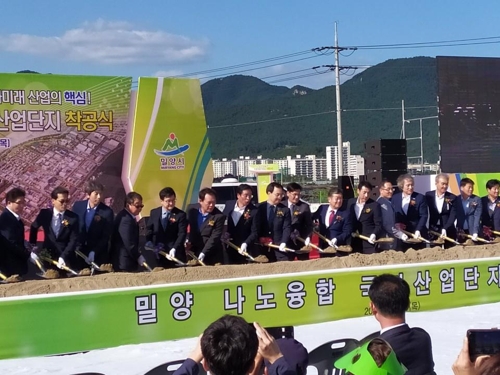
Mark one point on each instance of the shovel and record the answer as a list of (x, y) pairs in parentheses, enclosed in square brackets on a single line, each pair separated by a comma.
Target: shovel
[(238, 249), (380, 240), (343, 248), (94, 266), (167, 256), (479, 239), (193, 256), (449, 239), (65, 268), (277, 248)]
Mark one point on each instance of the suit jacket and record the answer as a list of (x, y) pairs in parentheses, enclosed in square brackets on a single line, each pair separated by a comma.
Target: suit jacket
[(445, 219), (370, 219), (14, 257), (413, 347), (388, 217), (280, 229), (472, 214), (125, 242), (417, 214), (174, 236), (301, 220), (242, 230), (97, 237), (341, 227), (62, 245), (491, 220), (207, 238)]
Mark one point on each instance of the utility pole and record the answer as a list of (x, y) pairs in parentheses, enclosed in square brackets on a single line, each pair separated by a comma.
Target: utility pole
[(340, 150)]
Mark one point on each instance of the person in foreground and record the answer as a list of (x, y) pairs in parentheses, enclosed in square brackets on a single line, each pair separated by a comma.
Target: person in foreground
[(482, 365), (376, 357), (389, 300), (229, 346)]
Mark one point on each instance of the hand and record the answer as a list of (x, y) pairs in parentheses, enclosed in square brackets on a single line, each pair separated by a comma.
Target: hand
[(282, 247), (91, 256), (332, 242), (243, 248), (61, 263), (201, 257), (417, 234), (443, 233), (34, 257), (141, 260), (372, 239), (149, 244), (307, 242), (474, 237), (463, 365), (172, 253), (196, 355), (268, 348), (34, 249)]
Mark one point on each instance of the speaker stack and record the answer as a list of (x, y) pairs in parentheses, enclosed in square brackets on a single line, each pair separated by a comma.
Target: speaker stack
[(385, 159)]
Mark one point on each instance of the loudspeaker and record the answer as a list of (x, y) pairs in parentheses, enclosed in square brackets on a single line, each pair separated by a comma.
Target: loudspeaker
[(386, 147), (346, 184), (386, 162), (375, 178)]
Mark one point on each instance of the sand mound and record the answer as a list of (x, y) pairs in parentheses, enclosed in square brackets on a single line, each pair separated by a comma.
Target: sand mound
[(185, 274)]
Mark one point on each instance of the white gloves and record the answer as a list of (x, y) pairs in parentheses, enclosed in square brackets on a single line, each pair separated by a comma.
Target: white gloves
[(149, 244), (372, 239), (443, 233), (243, 248), (332, 242), (403, 237), (307, 241), (201, 257), (34, 257), (417, 234), (282, 247), (172, 253), (474, 237), (61, 263), (91, 256), (141, 260)]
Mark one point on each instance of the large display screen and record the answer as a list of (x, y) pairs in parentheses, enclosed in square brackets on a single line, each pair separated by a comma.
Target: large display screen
[(469, 114)]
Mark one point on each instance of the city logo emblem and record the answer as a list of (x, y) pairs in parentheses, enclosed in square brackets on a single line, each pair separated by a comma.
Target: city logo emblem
[(170, 154)]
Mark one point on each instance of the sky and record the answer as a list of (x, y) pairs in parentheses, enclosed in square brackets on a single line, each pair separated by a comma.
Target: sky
[(172, 38)]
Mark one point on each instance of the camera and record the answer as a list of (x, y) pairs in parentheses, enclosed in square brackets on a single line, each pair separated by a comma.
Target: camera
[(483, 342)]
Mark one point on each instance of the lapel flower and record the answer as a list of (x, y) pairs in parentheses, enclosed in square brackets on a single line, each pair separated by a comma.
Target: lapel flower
[(368, 210), (247, 215), (172, 219), (65, 222), (339, 218), (448, 200), (211, 222), (279, 213), (296, 213), (498, 204), (473, 204), (413, 202), (97, 218)]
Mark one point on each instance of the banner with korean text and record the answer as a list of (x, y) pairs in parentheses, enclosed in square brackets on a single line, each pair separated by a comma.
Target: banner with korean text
[(61, 130), (167, 144), (72, 322)]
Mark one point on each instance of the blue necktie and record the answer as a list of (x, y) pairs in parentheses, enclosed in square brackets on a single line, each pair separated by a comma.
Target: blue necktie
[(58, 224), (164, 220)]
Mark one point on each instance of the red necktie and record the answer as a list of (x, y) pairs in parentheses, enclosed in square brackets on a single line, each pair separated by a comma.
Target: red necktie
[(330, 219)]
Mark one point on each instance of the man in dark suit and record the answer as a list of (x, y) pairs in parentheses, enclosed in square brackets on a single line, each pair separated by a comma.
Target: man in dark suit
[(167, 227), (334, 222), (301, 220), (366, 217), (441, 211), (14, 254), (468, 208), (389, 229), (240, 215), (389, 300), (206, 224), (272, 223), (96, 225), (411, 210), (491, 206), (60, 228), (125, 253)]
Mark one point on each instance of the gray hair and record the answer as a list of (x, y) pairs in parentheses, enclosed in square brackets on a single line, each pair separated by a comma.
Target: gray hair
[(401, 180), (442, 176)]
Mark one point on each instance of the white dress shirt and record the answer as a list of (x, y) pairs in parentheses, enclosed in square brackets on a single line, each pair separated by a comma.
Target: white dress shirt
[(405, 202), (56, 224), (358, 208), (13, 213), (327, 216), (392, 327), (237, 213)]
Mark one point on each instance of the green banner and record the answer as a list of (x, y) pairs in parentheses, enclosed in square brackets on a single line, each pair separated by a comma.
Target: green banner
[(71, 322), (168, 143), (62, 130)]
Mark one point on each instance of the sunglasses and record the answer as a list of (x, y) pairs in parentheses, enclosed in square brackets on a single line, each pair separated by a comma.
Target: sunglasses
[(62, 201), (138, 205)]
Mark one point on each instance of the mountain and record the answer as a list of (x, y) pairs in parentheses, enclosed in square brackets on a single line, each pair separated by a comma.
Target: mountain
[(247, 116)]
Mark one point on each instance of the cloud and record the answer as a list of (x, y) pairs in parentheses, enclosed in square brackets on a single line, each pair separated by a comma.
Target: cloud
[(168, 73), (106, 42)]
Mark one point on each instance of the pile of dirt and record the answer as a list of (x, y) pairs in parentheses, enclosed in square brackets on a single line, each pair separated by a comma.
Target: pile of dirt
[(185, 274)]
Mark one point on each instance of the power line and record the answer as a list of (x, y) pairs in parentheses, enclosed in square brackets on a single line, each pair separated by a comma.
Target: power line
[(316, 114)]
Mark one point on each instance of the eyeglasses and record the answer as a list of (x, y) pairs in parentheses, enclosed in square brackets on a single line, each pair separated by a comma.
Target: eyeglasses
[(138, 205), (388, 189), (20, 202), (62, 201)]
